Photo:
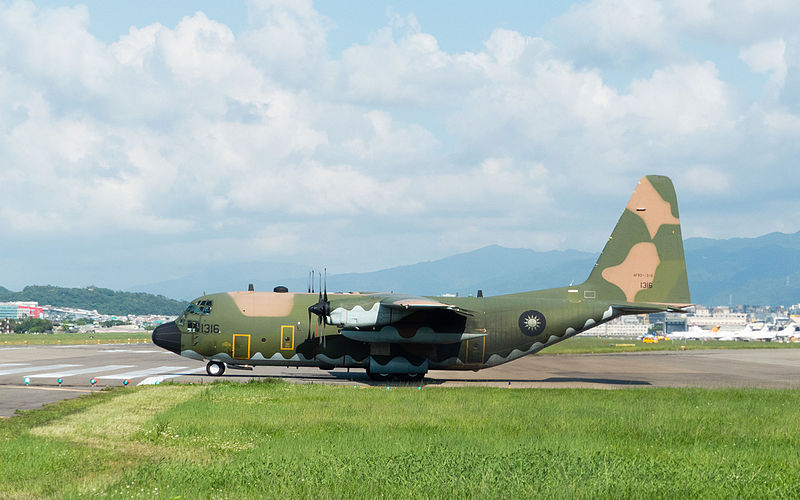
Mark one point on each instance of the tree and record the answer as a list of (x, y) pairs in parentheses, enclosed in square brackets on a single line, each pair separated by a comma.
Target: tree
[(33, 325)]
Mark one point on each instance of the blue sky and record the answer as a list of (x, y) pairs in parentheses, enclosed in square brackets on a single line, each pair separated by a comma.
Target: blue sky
[(143, 141)]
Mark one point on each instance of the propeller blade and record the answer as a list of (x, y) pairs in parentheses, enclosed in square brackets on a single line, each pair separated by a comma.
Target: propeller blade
[(322, 308)]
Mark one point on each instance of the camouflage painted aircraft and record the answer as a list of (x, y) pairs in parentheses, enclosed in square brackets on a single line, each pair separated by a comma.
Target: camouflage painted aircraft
[(641, 270)]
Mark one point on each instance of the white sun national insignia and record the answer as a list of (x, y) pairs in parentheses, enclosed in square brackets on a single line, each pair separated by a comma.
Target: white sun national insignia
[(532, 323)]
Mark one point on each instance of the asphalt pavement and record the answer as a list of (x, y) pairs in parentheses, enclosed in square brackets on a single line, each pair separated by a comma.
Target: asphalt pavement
[(29, 375)]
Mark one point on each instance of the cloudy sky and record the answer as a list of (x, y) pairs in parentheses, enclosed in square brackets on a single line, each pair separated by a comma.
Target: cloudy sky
[(144, 140)]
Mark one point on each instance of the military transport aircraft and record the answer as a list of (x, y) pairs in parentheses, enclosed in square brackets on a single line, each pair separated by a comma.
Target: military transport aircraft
[(390, 335)]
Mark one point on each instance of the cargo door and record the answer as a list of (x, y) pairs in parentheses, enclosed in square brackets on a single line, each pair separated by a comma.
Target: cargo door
[(476, 349), (241, 346)]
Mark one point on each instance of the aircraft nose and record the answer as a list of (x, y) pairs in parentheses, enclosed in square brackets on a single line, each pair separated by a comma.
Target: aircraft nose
[(168, 336)]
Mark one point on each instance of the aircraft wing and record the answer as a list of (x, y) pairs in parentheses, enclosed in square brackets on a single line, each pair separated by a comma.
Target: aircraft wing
[(390, 317), (417, 303)]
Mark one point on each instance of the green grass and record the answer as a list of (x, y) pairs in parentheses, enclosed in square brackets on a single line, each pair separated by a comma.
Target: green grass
[(274, 439), (584, 345), (74, 338)]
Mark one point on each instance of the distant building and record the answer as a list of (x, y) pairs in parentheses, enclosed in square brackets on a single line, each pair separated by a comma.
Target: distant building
[(720, 316), (673, 322), (20, 310), (624, 327)]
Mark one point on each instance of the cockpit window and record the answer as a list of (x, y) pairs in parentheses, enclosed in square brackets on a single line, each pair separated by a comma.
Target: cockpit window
[(202, 307)]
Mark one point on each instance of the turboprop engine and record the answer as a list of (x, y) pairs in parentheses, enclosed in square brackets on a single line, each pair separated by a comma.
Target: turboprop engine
[(358, 317)]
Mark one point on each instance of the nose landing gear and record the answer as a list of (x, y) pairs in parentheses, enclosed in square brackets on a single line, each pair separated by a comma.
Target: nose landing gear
[(215, 368)]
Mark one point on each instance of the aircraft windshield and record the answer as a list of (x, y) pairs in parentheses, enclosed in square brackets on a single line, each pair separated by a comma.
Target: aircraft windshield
[(201, 307)]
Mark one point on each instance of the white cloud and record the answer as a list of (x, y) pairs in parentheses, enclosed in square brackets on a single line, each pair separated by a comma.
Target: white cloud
[(704, 180), (287, 38), (617, 31), (768, 57), (680, 100), (253, 142)]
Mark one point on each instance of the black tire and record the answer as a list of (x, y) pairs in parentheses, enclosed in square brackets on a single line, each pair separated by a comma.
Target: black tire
[(410, 377), (378, 377), (215, 368)]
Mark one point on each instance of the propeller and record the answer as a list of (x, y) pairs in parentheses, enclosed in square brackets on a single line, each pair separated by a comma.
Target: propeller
[(311, 277), (323, 306)]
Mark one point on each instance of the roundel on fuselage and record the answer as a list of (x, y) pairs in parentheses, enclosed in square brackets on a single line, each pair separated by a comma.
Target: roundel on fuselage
[(532, 323)]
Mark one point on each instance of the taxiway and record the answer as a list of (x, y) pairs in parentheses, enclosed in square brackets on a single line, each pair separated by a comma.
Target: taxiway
[(29, 374)]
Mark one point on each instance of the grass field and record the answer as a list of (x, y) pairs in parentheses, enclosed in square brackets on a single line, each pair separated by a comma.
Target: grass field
[(274, 439)]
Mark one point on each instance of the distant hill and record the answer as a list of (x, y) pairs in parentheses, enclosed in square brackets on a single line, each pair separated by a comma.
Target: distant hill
[(105, 301), (494, 269), (755, 271), (227, 277)]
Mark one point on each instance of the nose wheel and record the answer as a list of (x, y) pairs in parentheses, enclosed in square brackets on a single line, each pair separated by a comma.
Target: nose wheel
[(215, 368)]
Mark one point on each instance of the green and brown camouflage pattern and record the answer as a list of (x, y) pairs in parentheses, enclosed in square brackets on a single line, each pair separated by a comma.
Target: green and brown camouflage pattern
[(641, 269)]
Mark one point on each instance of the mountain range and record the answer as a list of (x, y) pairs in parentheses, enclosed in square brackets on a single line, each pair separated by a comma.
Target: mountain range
[(756, 271)]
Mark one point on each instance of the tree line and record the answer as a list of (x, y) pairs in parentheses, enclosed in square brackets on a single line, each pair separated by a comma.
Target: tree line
[(103, 300), (29, 325)]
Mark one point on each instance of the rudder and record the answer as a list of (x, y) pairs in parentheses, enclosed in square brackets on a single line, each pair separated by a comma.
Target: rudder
[(643, 260)]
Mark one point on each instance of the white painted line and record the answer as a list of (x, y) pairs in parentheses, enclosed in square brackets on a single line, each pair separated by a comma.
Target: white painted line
[(81, 371), (34, 369), (4, 365), (160, 378), (144, 373)]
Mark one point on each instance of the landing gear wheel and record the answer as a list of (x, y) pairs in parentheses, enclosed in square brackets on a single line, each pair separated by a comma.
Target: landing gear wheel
[(379, 377), (410, 377), (215, 368)]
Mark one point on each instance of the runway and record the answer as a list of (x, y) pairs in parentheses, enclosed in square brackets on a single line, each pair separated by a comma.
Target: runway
[(29, 374)]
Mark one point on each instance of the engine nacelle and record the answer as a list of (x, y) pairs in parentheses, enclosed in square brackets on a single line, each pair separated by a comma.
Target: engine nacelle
[(358, 317)]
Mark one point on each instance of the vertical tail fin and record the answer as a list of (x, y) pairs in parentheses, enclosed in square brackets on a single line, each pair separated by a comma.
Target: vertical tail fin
[(643, 259)]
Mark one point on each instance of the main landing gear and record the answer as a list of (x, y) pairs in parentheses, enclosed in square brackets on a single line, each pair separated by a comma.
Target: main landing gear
[(402, 377), (215, 368)]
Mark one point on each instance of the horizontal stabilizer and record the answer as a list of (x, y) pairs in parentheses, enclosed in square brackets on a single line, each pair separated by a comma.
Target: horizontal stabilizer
[(648, 308)]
